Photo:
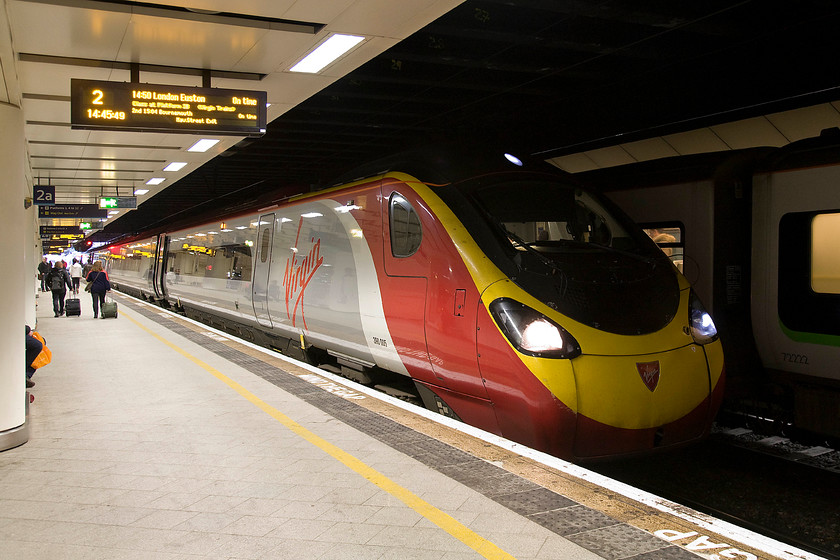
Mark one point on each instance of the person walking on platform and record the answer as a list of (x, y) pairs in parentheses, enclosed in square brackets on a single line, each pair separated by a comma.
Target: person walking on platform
[(43, 269), (57, 279), (98, 286), (76, 275)]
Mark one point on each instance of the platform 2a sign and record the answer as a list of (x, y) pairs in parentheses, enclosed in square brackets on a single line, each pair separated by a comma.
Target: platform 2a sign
[(43, 195)]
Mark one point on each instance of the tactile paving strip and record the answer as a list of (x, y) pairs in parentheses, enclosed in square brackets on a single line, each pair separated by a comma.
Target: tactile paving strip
[(584, 526)]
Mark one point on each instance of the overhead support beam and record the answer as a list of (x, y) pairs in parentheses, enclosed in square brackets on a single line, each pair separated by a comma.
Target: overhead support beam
[(189, 14), (117, 65)]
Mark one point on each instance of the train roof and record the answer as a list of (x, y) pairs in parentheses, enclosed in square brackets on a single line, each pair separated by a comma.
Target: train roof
[(449, 163)]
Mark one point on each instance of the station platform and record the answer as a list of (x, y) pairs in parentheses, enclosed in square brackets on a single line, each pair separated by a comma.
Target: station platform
[(156, 437)]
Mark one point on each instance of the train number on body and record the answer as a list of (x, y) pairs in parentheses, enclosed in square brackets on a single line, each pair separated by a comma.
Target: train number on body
[(800, 359)]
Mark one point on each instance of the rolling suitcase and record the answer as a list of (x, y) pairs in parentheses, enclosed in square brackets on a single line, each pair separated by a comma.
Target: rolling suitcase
[(73, 307), (109, 309)]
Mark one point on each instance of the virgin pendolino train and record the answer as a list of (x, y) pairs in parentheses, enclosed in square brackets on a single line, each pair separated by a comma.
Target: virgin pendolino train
[(501, 293)]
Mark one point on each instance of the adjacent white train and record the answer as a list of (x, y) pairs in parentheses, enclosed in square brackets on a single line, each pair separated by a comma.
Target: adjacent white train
[(758, 233)]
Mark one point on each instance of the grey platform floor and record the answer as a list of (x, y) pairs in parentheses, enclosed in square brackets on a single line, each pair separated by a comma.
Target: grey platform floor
[(157, 443)]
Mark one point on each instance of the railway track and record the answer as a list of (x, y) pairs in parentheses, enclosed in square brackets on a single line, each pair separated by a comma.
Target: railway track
[(769, 491)]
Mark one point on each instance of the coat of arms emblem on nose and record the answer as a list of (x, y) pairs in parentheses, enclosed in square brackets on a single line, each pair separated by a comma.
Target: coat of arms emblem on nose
[(649, 372)]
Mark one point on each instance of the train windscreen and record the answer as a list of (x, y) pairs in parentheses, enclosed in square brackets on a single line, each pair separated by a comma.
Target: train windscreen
[(554, 217), (572, 249)]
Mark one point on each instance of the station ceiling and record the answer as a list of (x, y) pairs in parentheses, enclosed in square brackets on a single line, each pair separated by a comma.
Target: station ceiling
[(582, 83)]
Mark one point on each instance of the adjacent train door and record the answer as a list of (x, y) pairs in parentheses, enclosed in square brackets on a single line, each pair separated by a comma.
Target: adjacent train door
[(262, 266)]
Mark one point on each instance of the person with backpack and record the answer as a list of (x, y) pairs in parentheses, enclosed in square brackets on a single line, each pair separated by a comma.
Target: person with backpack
[(58, 279)]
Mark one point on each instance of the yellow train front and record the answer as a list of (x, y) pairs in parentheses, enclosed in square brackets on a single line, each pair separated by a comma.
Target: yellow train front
[(588, 342)]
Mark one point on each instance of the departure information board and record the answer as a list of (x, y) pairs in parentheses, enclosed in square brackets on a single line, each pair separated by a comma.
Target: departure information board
[(155, 108)]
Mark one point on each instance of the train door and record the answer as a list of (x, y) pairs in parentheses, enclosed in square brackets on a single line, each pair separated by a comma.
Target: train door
[(404, 284), (427, 284), (262, 266), (159, 271)]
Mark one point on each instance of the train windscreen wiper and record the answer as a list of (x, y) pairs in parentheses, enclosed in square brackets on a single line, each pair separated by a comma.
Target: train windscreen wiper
[(530, 248)]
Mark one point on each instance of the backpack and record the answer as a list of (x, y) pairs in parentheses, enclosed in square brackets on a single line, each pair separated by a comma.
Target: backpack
[(56, 281), (45, 356)]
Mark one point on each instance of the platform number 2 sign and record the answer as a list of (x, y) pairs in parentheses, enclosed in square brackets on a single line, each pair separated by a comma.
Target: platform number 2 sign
[(44, 195)]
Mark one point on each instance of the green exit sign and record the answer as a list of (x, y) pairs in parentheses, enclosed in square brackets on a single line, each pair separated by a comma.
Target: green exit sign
[(84, 225), (118, 202)]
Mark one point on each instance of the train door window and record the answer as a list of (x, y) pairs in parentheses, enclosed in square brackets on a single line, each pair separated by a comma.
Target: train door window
[(825, 247), (406, 232), (265, 242), (669, 237)]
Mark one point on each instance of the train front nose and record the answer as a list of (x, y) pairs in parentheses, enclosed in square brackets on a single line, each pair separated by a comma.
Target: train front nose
[(632, 404)]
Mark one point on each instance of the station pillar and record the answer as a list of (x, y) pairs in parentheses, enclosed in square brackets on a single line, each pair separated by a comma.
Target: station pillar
[(14, 428)]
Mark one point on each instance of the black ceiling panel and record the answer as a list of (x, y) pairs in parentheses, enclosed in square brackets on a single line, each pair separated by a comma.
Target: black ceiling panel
[(544, 76)]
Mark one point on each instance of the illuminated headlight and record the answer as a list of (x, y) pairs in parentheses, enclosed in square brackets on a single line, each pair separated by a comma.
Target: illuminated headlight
[(531, 332), (702, 327)]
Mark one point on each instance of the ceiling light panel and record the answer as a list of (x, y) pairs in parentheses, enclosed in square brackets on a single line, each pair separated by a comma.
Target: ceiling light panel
[(326, 53), (203, 145)]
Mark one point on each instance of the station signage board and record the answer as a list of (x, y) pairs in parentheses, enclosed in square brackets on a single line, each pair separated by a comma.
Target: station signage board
[(43, 195), (67, 237), (109, 202), (55, 246), (142, 107), (47, 231), (72, 211)]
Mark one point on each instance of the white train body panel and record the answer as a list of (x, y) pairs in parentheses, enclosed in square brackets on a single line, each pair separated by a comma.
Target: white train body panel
[(776, 195)]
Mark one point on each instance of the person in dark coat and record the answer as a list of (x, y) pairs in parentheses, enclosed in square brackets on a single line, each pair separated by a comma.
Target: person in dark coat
[(58, 279), (100, 285), (43, 269)]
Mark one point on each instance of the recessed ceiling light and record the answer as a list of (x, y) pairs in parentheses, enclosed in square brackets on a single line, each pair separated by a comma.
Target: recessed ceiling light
[(155, 181), (175, 166), (138, 192), (113, 212), (202, 145), (326, 53)]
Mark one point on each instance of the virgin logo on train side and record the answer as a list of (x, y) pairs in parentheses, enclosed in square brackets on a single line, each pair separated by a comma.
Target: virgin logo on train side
[(298, 274), (649, 372)]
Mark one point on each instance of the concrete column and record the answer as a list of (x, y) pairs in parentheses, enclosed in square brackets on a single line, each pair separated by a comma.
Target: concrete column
[(32, 256), (14, 429)]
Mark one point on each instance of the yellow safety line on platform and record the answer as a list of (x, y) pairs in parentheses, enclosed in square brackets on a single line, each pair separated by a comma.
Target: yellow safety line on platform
[(443, 520)]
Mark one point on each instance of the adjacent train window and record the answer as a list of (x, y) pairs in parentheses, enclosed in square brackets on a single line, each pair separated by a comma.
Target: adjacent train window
[(406, 232), (825, 247), (669, 237), (809, 276)]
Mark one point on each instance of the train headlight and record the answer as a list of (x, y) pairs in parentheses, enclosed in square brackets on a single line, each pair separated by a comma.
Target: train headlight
[(700, 323), (531, 332)]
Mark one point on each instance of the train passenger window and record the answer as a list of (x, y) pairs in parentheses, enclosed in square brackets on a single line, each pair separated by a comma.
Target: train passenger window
[(825, 246), (218, 258), (406, 232)]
